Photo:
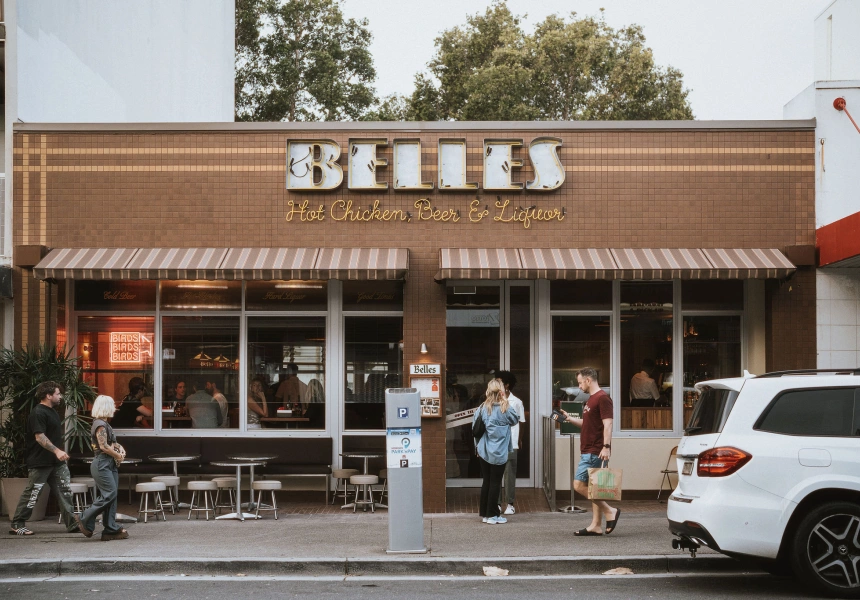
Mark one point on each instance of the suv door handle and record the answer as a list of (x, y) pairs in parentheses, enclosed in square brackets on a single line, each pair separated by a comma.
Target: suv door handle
[(814, 457)]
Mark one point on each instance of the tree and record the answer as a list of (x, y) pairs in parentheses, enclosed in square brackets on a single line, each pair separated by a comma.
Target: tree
[(301, 60), (568, 69), (390, 108)]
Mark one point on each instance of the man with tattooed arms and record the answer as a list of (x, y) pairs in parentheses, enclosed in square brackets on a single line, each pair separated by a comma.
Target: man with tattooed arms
[(46, 460)]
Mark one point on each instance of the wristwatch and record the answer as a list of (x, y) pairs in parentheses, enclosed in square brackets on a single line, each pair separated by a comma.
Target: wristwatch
[(608, 446)]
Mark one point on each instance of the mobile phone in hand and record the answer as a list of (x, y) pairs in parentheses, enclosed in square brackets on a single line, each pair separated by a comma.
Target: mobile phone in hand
[(557, 415)]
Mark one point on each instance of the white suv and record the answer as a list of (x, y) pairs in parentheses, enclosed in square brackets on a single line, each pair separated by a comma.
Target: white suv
[(769, 468)]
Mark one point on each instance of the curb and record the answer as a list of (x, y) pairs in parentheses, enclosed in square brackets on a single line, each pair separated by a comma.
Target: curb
[(358, 567)]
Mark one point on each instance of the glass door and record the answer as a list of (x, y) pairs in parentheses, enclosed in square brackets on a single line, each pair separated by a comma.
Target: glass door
[(489, 328)]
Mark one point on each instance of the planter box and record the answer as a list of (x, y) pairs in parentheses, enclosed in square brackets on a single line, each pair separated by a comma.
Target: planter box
[(12, 490)]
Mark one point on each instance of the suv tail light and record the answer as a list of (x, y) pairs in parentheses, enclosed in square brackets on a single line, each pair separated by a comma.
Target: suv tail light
[(719, 462)]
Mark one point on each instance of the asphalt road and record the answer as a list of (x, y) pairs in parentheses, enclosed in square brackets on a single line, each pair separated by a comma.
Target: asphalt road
[(583, 587)]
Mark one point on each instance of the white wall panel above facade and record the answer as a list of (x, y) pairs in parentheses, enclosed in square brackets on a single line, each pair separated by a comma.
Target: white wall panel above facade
[(90, 61)]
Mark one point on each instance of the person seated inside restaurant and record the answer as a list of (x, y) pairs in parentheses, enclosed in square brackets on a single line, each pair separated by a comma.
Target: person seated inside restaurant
[(257, 403), (292, 391), (132, 410), (178, 396), (643, 388), (315, 404), (212, 389), (202, 408)]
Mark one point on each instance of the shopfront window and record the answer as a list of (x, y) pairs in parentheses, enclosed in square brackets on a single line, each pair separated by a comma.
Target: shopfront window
[(712, 350), (646, 356), (372, 295), (374, 361), (286, 295), (473, 344), (200, 366), (580, 295), (115, 295), (286, 372), (578, 342), (117, 359), (201, 295)]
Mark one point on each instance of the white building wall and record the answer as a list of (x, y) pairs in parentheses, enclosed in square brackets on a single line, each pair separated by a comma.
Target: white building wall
[(90, 61), (837, 42), (838, 318)]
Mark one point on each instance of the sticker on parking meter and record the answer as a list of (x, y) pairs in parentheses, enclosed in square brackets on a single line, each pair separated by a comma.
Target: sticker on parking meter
[(403, 447)]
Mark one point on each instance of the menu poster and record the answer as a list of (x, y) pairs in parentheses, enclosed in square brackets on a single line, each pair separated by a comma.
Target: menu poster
[(430, 407), (428, 388)]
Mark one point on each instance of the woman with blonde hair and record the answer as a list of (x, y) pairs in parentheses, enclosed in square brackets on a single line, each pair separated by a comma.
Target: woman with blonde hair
[(108, 455), (493, 447)]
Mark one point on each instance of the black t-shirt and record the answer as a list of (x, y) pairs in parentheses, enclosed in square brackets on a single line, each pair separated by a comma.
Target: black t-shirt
[(43, 420), (126, 414)]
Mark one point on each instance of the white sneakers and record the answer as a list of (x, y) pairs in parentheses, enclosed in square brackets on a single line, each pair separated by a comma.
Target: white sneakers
[(510, 510), (496, 520)]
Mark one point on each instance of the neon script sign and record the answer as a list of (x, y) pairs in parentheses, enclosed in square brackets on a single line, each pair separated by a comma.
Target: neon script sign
[(129, 347)]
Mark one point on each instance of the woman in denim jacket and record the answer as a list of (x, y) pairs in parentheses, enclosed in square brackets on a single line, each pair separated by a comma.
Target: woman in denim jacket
[(493, 448)]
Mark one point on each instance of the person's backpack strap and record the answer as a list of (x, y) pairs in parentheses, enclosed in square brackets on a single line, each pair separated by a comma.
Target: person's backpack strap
[(479, 428)]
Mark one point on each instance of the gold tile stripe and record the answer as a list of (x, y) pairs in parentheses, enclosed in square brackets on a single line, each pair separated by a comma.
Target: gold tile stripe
[(282, 168), (25, 192), (424, 149), (43, 194), (25, 308)]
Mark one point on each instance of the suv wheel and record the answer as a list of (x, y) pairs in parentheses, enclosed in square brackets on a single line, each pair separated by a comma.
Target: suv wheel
[(826, 549)]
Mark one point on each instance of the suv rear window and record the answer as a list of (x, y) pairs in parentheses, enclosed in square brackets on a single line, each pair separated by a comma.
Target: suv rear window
[(711, 411), (816, 412)]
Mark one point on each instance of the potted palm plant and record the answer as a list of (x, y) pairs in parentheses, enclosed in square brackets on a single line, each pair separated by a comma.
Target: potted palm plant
[(21, 371)]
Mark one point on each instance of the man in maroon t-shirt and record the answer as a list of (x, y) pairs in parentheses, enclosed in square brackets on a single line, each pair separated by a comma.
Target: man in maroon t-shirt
[(595, 447)]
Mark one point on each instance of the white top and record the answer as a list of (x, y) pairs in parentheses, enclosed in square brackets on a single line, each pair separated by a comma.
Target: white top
[(642, 387), (517, 405)]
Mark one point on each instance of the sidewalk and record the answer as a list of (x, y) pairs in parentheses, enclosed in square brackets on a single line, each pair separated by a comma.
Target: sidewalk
[(532, 542)]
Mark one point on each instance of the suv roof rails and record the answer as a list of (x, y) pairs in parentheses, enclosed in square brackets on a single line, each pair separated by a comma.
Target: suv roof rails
[(811, 372)]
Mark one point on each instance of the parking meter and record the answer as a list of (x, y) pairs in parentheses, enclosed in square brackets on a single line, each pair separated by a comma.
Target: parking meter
[(405, 475)]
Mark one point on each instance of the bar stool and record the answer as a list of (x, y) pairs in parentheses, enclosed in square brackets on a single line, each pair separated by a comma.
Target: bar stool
[(171, 482), (383, 475), (364, 483), (154, 489), (205, 488), (228, 484), (342, 475), (262, 485), (79, 499), (91, 486)]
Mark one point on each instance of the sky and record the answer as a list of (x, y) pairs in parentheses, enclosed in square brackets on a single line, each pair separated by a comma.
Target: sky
[(740, 59)]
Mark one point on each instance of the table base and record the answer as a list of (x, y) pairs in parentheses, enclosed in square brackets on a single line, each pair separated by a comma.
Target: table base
[(375, 505), (238, 516)]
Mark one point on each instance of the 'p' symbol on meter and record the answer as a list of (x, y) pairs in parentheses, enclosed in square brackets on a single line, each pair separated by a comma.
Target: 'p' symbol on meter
[(402, 412)]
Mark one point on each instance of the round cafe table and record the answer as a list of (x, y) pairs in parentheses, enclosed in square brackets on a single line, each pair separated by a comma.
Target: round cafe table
[(366, 456), (120, 517), (243, 457), (175, 458), (238, 464)]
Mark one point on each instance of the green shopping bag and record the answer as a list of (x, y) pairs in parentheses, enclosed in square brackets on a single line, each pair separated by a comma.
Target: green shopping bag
[(604, 483)]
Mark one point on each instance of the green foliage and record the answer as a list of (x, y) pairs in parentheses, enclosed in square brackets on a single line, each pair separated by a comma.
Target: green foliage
[(301, 60), (568, 69), (390, 108), (21, 371)]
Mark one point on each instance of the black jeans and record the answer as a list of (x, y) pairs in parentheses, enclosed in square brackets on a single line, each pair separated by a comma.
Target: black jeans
[(490, 488)]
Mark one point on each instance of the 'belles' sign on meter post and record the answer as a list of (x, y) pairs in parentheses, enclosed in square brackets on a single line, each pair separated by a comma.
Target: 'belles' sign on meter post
[(403, 456)]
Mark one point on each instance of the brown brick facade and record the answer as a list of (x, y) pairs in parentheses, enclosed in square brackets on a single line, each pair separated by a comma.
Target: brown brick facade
[(637, 188)]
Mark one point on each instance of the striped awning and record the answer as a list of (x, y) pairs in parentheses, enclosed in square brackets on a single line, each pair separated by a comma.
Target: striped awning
[(175, 263), (85, 263), (568, 263), (268, 263), (749, 263), (480, 263), (361, 263), (662, 263), (224, 263), (612, 263)]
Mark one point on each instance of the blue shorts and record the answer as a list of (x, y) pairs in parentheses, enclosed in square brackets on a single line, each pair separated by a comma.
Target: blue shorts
[(588, 461)]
